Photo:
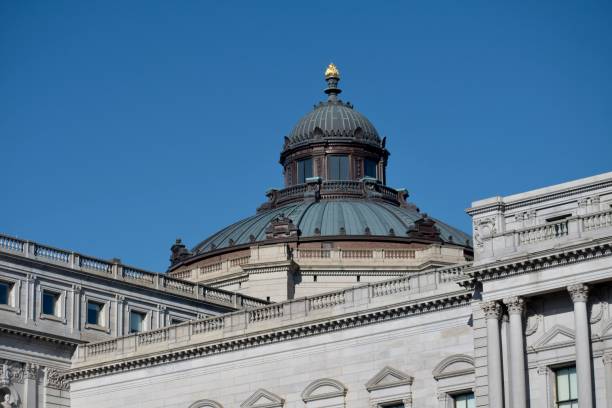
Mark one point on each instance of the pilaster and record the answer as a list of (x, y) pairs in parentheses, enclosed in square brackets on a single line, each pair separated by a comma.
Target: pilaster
[(580, 294)]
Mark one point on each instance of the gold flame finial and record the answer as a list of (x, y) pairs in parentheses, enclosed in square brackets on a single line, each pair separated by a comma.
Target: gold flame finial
[(332, 71)]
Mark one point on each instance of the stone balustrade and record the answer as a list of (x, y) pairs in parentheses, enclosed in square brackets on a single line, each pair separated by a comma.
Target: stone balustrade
[(116, 270), (415, 286)]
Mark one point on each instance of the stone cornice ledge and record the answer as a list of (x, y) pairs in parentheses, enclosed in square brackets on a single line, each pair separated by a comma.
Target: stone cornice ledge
[(289, 332), (550, 258)]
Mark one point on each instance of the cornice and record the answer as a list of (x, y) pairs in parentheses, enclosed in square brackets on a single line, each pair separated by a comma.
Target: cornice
[(39, 336), (503, 206), (290, 332), (540, 261)]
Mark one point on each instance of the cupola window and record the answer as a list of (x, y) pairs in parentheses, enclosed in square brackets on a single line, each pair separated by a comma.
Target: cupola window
[(338, 167), (304, 170), (369, 168)]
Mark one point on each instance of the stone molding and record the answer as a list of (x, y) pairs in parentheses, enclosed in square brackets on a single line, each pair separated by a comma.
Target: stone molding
[(515, 305), (270, 400), (501, 206), (206, 403), (543, 343), (492, 309), (607, 359), (530, 263), (260, 338), (309, 393), (397, 378), (441, 370), (579, 292)]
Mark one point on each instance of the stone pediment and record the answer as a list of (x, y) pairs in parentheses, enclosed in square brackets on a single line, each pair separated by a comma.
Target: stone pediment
[(556, 336), (323, 389), (263, 399), (388, 377), (453, 366)]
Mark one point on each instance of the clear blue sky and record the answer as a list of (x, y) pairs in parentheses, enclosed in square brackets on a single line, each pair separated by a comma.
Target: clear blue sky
[(126, 124)]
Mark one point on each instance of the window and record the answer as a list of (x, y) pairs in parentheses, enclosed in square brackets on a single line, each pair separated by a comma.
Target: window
[(338, 168), (369, 168), (304, 170), (464, 400), (136, 321), (5, 293), (94, 313), (393, 405), (50, 303), (176, 321), (567, 390)]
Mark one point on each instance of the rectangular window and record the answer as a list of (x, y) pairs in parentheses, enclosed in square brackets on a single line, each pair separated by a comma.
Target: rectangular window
[(464, 400), (394, 405), (369, 168), (94, 313), (567, 389), (304, 170), (50, 303), (177, 321), (338, 167), (136, 321), (5, 293)]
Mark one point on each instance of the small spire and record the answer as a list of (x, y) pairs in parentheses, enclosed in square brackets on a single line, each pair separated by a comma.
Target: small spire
[(332, 76)]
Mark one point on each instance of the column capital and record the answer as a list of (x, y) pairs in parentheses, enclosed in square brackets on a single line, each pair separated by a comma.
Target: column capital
[(607, 359), (515, 305), (579, 292), (492, 309)]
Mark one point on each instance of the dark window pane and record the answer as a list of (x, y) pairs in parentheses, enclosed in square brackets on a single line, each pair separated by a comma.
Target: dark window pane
[(93, 313), (304, 170), (4, 293), (369, 168), (49, 303), (464, 400), (338, 168), (136, 322)]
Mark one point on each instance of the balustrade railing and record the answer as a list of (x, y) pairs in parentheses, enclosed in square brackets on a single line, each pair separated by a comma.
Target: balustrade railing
[(313, 253), (357, 253), (399, 253), (542, 232), (211, 268), (116, 270), (596, 221), (349, 299)]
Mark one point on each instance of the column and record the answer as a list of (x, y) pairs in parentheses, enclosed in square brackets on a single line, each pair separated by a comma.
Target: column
[(505, 342), (607, 361), (518, 381), (31, 376), (492, 311), (580, 294)]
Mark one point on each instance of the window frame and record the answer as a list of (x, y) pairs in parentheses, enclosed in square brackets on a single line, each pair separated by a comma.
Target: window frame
[(145, 323), (13, 295), (301, 167), (365, 167), (59, 312), (555, 370), (453, 397), (329, 167)]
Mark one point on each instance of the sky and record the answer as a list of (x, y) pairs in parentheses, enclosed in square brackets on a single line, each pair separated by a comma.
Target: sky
[(127, 124)]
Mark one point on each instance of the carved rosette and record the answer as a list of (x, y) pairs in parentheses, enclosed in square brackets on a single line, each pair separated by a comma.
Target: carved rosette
[(491, 309), (579, 292), (515, 305)]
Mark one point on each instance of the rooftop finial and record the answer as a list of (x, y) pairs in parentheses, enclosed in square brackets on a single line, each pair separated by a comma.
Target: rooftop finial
[(332, 76), (332, 71)]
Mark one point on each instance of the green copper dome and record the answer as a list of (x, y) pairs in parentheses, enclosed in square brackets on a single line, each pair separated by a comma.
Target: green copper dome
[(348, 218)]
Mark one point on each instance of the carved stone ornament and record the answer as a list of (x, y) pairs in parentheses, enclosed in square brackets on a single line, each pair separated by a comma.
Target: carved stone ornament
[(533, 321), (491, 309), (607, 359), (55, 379), (597, 309), (484, 229), (32, 371), (11, 372), (515, 305), (578, 292)]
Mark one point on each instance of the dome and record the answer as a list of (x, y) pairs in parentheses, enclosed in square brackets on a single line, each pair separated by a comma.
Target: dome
[(332, 218), (333, 120)]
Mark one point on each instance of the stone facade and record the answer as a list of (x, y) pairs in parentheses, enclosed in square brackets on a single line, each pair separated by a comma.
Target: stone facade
[(535, 300), (37, 347)]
